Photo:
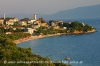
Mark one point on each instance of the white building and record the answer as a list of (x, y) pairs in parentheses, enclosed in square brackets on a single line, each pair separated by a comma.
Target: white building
[(15, 19), (10, 22), (23, 22), (32, 20), (34, 16), (29, 30)]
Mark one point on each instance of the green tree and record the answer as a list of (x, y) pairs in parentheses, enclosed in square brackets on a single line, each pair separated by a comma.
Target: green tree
[(51, 21)]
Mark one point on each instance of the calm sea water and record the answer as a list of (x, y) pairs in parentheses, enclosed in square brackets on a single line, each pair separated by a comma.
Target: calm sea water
[(84, 48)]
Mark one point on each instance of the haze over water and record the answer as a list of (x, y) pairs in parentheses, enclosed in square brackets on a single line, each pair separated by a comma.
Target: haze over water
[(83, 47)]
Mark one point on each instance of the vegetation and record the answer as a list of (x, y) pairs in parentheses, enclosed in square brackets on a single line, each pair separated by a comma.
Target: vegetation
[(10, 52), (79, 26), (51, 30), (69, 27), (51, 22), (11, 55)]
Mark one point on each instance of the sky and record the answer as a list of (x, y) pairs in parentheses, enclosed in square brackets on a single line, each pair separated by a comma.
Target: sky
[(41, 6)]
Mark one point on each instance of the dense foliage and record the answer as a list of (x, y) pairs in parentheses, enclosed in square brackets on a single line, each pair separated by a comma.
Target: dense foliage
[(78, 26), (10, 52), (71, 27), (51, 30), (15, 36)]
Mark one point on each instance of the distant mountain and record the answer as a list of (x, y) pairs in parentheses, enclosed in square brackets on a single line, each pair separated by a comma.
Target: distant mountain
[(77, 13)]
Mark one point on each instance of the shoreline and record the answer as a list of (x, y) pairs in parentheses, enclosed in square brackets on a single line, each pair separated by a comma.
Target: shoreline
[(21, 40)]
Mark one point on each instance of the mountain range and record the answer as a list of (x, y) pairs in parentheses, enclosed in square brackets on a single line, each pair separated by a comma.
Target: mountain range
[(85, 12)]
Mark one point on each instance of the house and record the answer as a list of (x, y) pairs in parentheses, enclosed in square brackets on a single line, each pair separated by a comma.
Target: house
[(9, 22), (68, 22), (36, 26), (11, 19), (1, 20), (43, 24), (15, 19), (23, 22), (6, 27), (54, 24), (38, 21), (65, 27), (29, 30), (31, 21)]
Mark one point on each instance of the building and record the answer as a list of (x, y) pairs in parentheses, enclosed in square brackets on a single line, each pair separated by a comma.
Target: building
[(54, 24), (15, 19), (43, 24), (34, 16), (10, 22), (29, 30), (31, 21), (36, 25), (23, 22), (68, 22), (1, 20)]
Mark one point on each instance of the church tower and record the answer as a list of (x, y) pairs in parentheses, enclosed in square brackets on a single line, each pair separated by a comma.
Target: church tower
[(4, 16), (34, 16)]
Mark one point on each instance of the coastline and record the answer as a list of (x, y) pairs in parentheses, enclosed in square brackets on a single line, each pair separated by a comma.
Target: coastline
[(21, 40)]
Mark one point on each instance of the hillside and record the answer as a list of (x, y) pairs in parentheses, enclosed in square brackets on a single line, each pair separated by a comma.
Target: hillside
[(77, 13)]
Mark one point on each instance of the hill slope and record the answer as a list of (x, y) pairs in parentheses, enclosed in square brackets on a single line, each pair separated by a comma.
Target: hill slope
[(77, 13)]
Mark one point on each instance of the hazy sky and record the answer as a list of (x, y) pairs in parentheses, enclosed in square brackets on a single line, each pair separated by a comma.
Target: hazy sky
[(41, 6)]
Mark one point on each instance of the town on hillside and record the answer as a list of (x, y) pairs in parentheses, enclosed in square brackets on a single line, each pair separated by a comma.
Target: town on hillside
[(40, 26)]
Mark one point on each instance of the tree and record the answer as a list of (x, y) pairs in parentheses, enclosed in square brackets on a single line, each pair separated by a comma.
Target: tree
[(1, 29), (87, 28), (10, 29), (51, 21), (60, 24)]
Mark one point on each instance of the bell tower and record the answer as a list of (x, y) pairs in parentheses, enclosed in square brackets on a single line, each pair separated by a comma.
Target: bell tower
[(4, 16), (34, 16)]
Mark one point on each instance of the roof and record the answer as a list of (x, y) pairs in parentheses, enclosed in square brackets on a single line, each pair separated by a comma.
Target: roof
[(1, 18)]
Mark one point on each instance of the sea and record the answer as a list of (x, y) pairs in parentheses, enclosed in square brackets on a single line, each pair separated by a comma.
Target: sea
[(82, 49)]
